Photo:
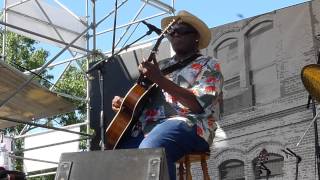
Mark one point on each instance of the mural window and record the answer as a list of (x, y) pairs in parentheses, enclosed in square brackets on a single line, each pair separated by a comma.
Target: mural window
[(235, 96), (271, 167), (232, 170), (228, 54), (261, 49)]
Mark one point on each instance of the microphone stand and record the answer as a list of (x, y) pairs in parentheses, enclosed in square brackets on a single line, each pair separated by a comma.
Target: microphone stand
[(298, 160), (316, 138), (315, 125)]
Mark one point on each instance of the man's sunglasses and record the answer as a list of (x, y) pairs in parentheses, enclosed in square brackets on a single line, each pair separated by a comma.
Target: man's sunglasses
[(180, 31)]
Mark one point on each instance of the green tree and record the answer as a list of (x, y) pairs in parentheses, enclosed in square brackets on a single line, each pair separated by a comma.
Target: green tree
[(22, 54), (73, 82)]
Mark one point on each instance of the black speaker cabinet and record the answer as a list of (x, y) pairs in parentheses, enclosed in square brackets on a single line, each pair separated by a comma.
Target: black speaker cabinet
[(123, 164), (117, 80)]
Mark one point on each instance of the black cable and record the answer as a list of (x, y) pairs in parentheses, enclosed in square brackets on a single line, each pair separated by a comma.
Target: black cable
[(114, 27), (37, 75)]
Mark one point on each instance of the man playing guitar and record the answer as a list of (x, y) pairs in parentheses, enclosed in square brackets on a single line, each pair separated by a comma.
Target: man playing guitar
[(181, 116)]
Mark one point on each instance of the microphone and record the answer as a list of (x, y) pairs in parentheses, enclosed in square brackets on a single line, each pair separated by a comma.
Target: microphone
[(297, 156), (152, 27), (286, 152), (291, 153)]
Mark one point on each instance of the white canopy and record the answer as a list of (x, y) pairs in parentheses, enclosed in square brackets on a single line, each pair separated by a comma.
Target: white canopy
[(32, 102), (47, 20)]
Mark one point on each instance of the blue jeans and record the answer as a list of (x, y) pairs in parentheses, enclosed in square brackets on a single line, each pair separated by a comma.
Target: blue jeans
[(175, 136)]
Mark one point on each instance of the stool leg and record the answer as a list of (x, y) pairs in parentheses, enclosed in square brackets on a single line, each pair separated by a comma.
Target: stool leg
[(181, 170), (204, 168), (188, 167)]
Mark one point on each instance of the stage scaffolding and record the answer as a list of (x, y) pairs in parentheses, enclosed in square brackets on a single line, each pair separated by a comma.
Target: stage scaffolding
[(82, 46)]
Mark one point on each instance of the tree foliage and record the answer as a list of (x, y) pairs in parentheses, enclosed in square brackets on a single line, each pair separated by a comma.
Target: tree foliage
[(21, 52), (73, 83)]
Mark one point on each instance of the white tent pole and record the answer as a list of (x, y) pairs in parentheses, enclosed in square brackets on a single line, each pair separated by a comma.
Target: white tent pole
[(4, 32)]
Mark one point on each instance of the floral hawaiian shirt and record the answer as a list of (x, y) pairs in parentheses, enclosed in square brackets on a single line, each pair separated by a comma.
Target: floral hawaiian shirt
[(203, 77)]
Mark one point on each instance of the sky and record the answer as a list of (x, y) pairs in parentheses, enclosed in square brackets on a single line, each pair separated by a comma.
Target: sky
[(212, 12)]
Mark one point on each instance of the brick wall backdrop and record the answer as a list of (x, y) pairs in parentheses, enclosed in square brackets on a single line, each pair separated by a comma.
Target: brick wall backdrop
[(264, 98)]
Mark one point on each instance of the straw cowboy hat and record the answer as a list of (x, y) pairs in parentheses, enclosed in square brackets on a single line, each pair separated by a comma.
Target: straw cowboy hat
[(200, 26)]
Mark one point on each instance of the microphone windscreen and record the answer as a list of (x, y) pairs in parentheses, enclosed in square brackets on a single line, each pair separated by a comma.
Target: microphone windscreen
[(310, 76)]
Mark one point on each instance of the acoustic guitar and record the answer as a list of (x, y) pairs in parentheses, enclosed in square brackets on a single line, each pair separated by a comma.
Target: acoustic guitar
[(133, 102)]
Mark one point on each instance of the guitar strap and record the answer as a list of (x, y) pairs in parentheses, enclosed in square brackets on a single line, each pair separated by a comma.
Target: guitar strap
[(179, 65)]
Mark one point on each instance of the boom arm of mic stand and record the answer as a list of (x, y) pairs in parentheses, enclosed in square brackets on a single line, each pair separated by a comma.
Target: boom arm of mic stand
[(99, 64), (127, 46), (311, 123)]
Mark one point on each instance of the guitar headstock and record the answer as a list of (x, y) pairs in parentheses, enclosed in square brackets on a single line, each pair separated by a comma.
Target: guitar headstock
[(161, 36), (166, 29)]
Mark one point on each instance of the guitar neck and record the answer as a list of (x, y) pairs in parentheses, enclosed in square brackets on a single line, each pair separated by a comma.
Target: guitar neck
[(152, 57)]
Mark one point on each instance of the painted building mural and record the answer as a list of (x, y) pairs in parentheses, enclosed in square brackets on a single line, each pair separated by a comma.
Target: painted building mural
[(264, 108)]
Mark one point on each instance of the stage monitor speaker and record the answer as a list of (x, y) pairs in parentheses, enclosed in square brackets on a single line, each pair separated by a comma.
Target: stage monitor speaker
[(123, 164)]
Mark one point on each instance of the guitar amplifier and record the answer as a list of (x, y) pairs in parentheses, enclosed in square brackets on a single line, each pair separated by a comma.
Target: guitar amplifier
[(123, 164)]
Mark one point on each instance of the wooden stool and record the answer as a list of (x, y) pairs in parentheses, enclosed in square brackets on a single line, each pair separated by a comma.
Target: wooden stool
[(190, 158)]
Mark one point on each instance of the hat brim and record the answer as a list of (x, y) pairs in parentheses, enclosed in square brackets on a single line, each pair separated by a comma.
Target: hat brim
[(202, 28)]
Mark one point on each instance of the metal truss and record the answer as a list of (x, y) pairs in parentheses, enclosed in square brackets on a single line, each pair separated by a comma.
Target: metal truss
[(93, 31)]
